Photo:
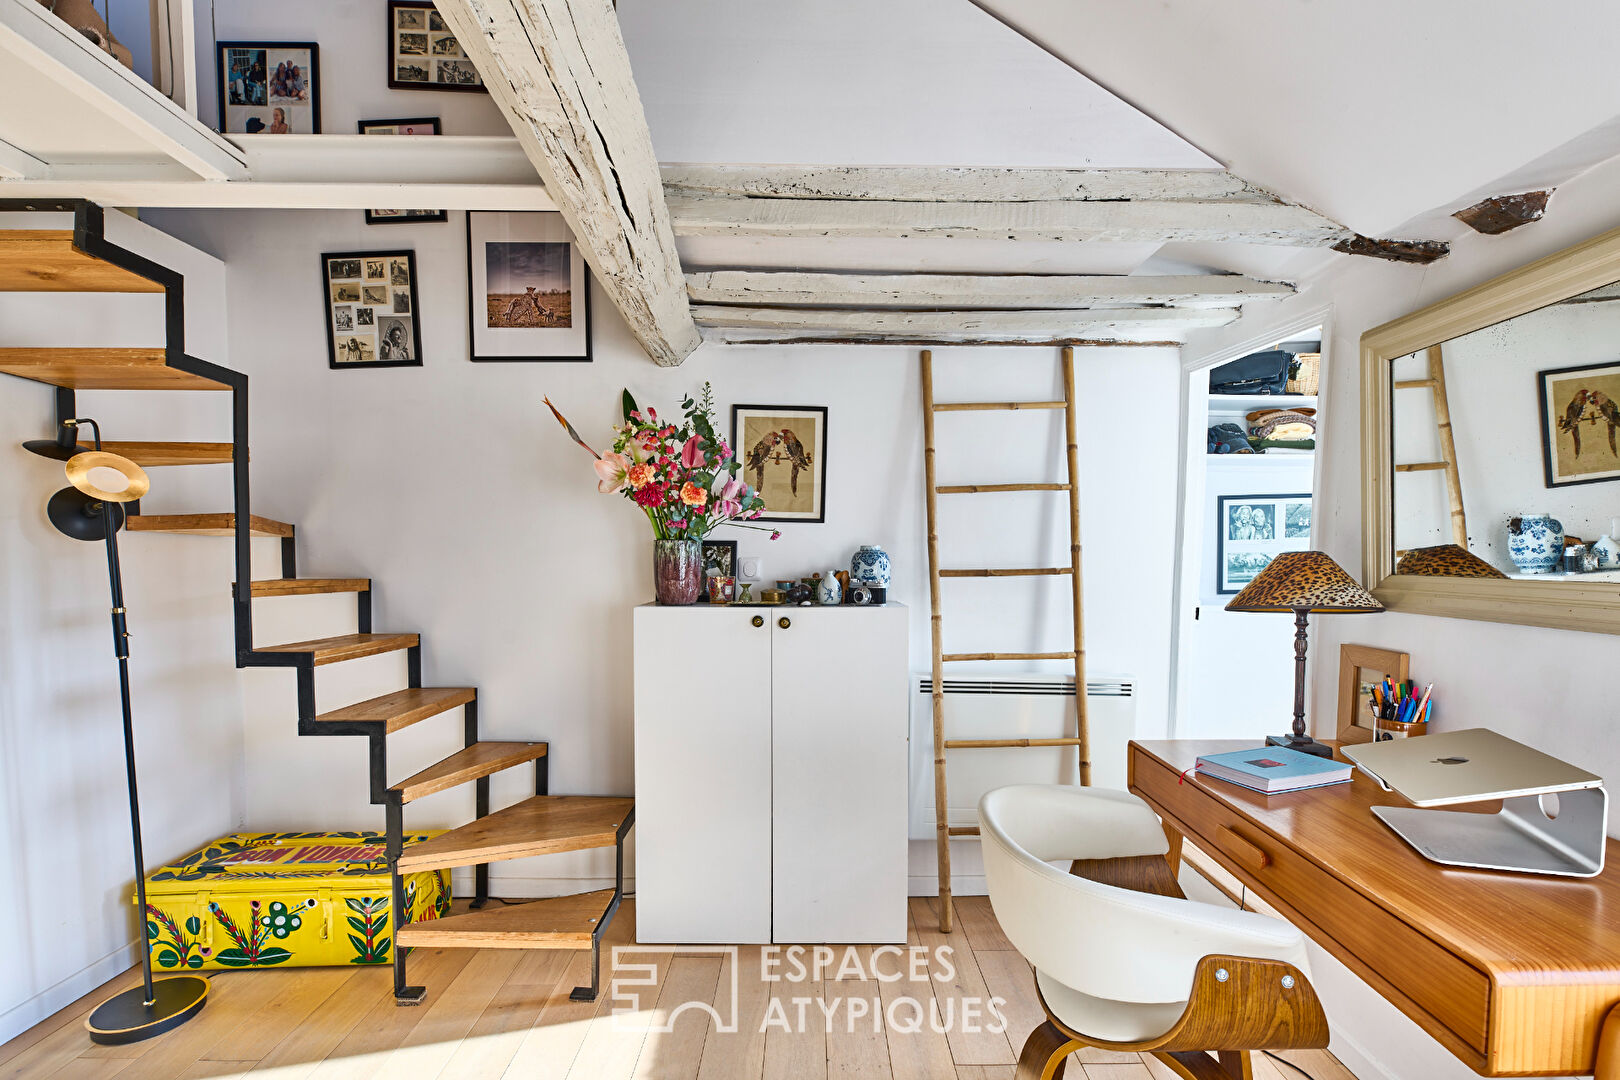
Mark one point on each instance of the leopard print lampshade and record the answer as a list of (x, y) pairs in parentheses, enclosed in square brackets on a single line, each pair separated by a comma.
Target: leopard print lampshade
[(1304, 581), (1446, 560)]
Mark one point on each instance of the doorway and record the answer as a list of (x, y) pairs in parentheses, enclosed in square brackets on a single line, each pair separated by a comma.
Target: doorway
[(1250, 476)]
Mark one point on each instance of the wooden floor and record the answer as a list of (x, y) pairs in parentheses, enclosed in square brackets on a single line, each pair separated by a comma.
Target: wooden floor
[(494, 1013)]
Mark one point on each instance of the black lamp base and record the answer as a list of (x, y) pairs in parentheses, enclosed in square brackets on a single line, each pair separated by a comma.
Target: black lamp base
[(1302, 743), (125, 1017)]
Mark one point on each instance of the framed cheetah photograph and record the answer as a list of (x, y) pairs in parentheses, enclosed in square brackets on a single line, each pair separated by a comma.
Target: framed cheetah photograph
[(528, 289)]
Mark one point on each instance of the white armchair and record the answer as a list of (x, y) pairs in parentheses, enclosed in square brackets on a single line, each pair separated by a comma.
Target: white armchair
[(1135, 970)]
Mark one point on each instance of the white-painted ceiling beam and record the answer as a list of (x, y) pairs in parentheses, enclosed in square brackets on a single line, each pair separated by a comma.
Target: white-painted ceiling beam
[(958, 184), (966, 325), (968, 291), (559, 72), (1119, 221)]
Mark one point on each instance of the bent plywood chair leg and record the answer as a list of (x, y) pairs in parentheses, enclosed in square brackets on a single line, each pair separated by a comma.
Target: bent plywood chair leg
[(1608, 1048), (1044, 1053), (1198, 1065)]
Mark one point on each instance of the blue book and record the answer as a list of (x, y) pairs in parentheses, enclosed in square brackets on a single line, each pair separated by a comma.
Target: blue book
[(1271, 769)]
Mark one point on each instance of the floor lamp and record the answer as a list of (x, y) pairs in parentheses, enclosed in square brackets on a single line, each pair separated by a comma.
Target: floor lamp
[(86, 511)]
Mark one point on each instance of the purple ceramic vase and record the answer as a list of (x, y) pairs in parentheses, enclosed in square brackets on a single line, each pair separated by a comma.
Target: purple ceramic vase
[(677, 571)]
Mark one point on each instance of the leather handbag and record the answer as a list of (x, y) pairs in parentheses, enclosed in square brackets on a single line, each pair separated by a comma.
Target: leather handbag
[(1257, 373)]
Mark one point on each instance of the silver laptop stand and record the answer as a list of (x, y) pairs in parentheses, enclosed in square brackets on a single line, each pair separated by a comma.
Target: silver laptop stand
[(1519, 837)]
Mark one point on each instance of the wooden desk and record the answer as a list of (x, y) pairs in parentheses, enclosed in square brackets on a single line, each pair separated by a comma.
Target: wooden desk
[(1514, 974)]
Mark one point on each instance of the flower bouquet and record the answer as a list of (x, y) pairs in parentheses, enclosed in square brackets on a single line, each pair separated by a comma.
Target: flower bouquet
[(685, 480)]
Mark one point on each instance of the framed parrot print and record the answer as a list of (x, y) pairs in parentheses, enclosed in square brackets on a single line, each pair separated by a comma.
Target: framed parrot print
[(783, 450), (1580, 424)]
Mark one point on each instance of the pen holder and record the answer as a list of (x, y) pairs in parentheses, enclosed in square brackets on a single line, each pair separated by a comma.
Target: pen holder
[(1384, 730)]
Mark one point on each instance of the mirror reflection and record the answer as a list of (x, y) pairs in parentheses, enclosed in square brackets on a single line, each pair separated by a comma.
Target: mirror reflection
[(1507, 447)]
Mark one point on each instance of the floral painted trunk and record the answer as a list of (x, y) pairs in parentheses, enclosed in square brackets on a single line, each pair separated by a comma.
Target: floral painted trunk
[(677, 571)]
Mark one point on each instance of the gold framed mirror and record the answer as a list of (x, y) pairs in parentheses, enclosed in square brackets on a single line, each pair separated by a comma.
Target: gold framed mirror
[(1490, 437)]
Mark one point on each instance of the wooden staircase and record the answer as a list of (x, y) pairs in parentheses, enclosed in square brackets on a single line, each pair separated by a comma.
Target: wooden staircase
[(82, 260)]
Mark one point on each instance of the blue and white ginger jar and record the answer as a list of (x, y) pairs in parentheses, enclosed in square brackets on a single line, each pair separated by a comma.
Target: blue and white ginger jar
[(870, 567), (1535, 542)]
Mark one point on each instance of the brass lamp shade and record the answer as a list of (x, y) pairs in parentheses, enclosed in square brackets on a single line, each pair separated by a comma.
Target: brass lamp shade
[(79, 467), (1446, 560), (1307, 581)]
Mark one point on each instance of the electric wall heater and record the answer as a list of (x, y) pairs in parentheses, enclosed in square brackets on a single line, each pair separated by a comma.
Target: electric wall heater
[(1014, 706)]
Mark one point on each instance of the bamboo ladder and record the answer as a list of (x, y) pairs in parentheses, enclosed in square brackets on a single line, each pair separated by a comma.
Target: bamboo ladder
[(1435, 381), (943, 829)]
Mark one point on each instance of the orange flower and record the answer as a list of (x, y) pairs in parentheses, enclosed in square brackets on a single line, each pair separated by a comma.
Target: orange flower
[(639, 475), (692, 495)]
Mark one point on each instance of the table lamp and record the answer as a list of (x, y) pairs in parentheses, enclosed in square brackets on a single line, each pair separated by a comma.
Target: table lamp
[(1303, 582)]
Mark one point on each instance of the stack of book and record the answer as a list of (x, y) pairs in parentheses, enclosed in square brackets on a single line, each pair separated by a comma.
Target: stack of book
[(1271, 769)]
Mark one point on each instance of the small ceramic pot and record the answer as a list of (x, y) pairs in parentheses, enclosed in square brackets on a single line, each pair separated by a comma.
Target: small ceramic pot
[(677, 571), (869, 566), (1535, 542), (1608, 553), (743, 594)]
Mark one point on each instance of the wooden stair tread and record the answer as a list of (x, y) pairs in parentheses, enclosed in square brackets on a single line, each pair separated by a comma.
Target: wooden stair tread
[(561, 922), (471, 763), (102, 369), (45, 260), (305, 586), (150, 455), (205, 524), (402, 708), (541, 825), (332, 650)]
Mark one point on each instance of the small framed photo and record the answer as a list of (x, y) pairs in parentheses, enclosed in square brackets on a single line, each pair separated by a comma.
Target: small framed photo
[(719, 560), (528, 290), (1361, 667), (784, 454), (268, 87), (371, 309), (416, 125), (1251, 530), (1580, 424), (422, 52)]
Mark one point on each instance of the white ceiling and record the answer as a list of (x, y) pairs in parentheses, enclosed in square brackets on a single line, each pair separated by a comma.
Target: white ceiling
[(1374, 112)]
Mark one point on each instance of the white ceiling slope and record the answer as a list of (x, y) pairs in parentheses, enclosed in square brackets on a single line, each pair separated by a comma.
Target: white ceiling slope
[(1373, 112), (873, 82)]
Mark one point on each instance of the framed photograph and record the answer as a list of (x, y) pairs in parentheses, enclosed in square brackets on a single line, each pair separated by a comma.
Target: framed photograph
[(1251, 530), (371, 309), (416, 125), (783, 449), (422, 52), (1361, 667), (1580, 424), (269, 87), (528, 290), (719, 560)]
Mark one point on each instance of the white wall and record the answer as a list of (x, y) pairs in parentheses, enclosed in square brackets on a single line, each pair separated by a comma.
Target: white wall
[(482, 528), (1532, 683), (64, 820)]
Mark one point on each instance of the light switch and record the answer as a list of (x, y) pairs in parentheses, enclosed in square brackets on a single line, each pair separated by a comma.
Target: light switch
[(752, 568)]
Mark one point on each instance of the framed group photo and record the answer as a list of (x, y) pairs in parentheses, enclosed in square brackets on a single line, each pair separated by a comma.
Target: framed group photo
[(416, 125), (422, 52), (1251, 530), (268, 87), (783, 449), (1580, 424), (528, 289), (371, 309)]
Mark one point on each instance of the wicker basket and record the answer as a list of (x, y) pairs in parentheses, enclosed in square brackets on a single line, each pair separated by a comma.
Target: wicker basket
[(1310, 373)]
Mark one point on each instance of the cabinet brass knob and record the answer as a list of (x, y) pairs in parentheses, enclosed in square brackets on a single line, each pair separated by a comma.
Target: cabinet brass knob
[(784, 622), (759, 620)]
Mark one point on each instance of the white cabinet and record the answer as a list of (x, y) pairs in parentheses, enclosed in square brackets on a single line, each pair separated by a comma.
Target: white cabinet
[(776, 812)]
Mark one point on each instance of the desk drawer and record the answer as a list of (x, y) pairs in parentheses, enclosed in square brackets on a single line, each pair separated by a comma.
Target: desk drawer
[(1449, 989)]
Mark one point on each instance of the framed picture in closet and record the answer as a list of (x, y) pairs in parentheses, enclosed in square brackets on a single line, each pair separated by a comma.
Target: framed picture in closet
[(414, 125), (371, 309), (1251, 530)]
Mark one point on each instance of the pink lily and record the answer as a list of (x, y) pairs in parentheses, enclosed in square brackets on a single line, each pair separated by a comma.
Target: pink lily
[(692, 453), (612, 472)]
